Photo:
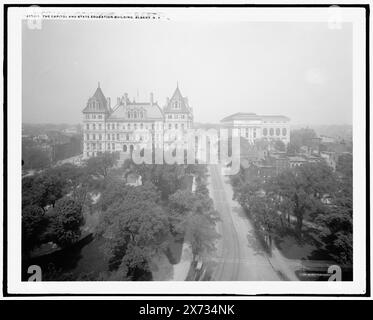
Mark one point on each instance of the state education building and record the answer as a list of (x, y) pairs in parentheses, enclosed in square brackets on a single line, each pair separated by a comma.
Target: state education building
[(129, 123)]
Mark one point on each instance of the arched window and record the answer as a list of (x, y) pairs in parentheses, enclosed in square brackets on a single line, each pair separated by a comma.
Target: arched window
[(271, 132), (135, 114), (141, 126), (129, 114), (265, 131), (129, 126), (277, 131), (124, 148), (284, 132)]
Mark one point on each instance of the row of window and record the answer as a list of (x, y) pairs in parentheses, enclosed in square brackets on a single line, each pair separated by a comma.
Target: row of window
[(94, 116), (176, 116), (272, 131), (94, 149), (247, 133), (135, 114), (99, 146), (134, 126), (112, 126), (117, 137)]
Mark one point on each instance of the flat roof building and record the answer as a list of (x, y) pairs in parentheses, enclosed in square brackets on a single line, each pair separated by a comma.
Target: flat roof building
[(254, 127)]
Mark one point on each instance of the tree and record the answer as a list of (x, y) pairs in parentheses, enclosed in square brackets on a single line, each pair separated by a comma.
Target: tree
[(32, 193), (99, 166), (66, 221), (52, 188), (42, 190), (301, 137), (337, 231), (134, 227), (344, 167), (279, 145), (264, 212), (262, 144), (167, 178), (35, 158), (34, 224), (193, 214), (304, 188)]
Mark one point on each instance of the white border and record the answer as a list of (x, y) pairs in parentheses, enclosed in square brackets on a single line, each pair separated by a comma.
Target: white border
[(15, 285)]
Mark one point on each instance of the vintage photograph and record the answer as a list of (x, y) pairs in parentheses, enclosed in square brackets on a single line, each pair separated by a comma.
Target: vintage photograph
[(181, 145)]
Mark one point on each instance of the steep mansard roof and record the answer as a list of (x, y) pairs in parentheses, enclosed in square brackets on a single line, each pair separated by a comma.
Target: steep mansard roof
[(183, 105), (97, 103)]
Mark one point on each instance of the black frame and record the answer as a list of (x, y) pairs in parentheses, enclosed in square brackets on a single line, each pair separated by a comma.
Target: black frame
[(5, 145)]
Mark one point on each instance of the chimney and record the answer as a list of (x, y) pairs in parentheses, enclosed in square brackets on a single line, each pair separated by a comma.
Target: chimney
[(151, 98), (125, 98), (108, 102)]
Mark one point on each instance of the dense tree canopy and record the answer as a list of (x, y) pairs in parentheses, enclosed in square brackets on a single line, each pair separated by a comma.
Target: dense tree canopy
[(100, 165), (304, 187), (34, 223), (133, 225), (35, 158), (66, 221), (193, 215)]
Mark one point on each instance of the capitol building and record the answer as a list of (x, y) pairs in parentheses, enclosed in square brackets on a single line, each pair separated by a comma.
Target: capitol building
[(131, 124)]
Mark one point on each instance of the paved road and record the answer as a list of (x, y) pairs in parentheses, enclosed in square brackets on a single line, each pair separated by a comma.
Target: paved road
[(239, 256)]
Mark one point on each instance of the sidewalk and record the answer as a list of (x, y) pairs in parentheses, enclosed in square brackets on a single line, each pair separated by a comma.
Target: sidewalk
[(286, 267), (182, 268), (163, 270)]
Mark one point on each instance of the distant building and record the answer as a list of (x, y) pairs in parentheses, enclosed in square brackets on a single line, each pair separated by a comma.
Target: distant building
[(326, 139), (253, 127)]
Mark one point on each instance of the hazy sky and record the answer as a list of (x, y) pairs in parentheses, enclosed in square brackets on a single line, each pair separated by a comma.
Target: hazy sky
[(301, 70)]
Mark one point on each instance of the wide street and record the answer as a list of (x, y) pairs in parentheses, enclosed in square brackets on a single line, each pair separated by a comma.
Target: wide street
[(240, 255)]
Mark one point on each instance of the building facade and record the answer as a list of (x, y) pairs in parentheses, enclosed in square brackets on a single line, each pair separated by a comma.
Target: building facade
[(253, 127), (130, 123)]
